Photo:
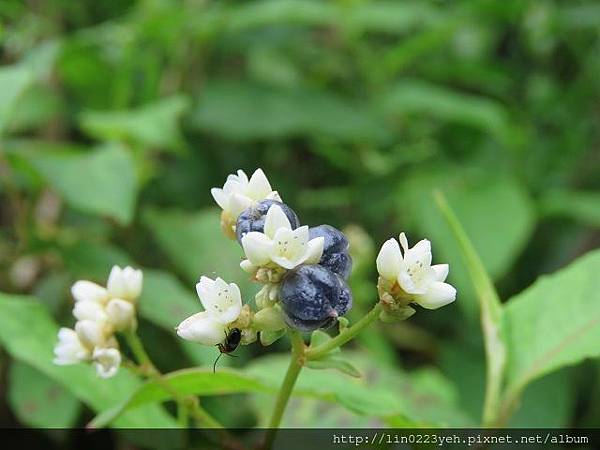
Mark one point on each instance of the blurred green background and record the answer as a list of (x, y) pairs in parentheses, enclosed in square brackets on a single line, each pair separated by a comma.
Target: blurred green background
[(117, 117)]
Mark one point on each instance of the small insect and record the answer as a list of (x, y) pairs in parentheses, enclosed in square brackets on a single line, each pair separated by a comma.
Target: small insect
[(231, 342)]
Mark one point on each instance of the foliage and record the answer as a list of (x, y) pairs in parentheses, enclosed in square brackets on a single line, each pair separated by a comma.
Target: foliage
[(117, 118)]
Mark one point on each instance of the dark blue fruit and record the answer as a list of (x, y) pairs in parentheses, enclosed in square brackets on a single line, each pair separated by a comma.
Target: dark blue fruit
[(253, 218), (312, 296), (335, 250)]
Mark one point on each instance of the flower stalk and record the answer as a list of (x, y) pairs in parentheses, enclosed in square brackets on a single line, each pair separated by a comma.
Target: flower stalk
[(296, 362), (346, 335)]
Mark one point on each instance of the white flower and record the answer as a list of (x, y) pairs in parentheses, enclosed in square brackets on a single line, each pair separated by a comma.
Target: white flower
[(120, 314), (88, 291), (106, 361), (222, 304), (91, 333), (413, 272), (125, 283), (239, 193), (90, 310), (280, 244), (69, 349)]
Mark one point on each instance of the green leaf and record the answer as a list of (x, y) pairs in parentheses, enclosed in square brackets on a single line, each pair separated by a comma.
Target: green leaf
[(265, 375), (93, 261), (485, 206), (491, 312), (153, 125), (32, 342), (337, 363), (248, 111), (412, 97), (101, 181), (195, 244), (554, 323), (423, 396), (14, 81), (166, 302), (331, 360), (201, 382), (578, 205), (38, 401)]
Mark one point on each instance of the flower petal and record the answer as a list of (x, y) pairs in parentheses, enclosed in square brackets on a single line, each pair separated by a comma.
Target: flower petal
[(257, 247), (87, 291), (438, 295), (420, 253), (290, 247), (220, 197), (315, 250), (389, 259), (238, 203), (275, 220), (202, 328), (258, 187), (440, 271)]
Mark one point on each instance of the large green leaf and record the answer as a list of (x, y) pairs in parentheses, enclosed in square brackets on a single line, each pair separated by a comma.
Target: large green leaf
[(195, 244), (247, 111), (495, 212), (102, 181), (490, 307), (39, 401), (29, 334), (583, 206), (423, 394), (154, 125), (410, 97), (14, 81), (554, 323), (185, 382)]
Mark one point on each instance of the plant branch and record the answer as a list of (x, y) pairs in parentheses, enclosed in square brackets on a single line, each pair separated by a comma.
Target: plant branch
[(296, 363), (344, 336), (189, 403)]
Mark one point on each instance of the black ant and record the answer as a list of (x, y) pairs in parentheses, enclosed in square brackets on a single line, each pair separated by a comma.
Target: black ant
[(232, 340)]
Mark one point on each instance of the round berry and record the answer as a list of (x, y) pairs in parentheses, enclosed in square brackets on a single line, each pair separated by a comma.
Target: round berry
[(335, 249), (253, 218), (335, 240), (312, 297)]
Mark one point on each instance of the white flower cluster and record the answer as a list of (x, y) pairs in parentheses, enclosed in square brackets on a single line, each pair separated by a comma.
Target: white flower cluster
[(100, 312), (410, 278), (239, 193), (279, 246)]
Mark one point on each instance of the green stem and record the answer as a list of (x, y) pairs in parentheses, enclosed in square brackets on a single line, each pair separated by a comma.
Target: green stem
[(344, 336), (296, 363), (191, 404)]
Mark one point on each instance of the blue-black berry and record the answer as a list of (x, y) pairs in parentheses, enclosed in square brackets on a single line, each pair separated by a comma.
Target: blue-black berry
[(335, 250), (312, 296), (253, 218)]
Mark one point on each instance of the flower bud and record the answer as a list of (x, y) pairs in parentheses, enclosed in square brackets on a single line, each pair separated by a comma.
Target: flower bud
[(269, 319), (90, 333), (125, 283), (248, 336), (87, 291), (121, 314), (89, 310), (106, 361)]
